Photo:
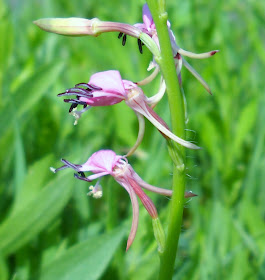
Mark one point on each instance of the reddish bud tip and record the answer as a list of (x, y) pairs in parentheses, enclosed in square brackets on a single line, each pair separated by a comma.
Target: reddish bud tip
[(214, 52)]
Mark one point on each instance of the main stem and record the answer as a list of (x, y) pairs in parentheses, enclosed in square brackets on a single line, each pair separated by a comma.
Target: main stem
[(176, 105)]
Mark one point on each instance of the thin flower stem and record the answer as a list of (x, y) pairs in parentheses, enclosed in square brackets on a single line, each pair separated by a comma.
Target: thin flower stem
[(177, 110)]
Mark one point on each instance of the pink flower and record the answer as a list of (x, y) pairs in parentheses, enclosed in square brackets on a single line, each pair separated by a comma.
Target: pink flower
[(106, 162), (107, 88), (148, 27)]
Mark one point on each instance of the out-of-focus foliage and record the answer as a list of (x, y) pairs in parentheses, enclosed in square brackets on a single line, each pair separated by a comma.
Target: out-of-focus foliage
[(49, 228)]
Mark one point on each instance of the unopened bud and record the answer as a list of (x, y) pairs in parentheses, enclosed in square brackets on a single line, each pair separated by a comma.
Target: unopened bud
[(69, 26)]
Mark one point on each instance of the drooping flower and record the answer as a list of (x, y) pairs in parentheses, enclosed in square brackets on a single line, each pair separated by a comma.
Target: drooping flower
[(106, 162), (149, 28), (107, 88)]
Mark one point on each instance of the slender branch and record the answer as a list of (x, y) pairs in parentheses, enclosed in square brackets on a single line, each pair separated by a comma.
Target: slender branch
[(177, 152)]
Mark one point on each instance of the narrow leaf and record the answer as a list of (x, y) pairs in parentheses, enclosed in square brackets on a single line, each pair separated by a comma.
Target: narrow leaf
[(87, 260), (20, 228)]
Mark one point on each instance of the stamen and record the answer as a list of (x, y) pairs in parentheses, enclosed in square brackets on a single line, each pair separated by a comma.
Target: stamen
[(71, 165), (88, 86), (96, 191), (77, 95), (81, 178), (124, 39), (77, 114), (140, 45), (120, 35), (72, 107), (75, 101), (79, 90), (82, 173), (54, 170)]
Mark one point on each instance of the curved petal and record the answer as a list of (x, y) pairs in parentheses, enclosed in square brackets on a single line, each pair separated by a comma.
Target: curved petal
[(135, 209), (159, 95), (140, 134), (145, 199), (158, 190), (149, 187), (138, 104), (197, 55), (150, 78)]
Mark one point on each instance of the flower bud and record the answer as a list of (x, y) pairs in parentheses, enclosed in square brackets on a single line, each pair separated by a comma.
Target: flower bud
[(69, 26)]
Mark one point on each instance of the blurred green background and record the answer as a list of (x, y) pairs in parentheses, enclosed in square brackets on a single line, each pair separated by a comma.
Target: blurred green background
[(49, 228)]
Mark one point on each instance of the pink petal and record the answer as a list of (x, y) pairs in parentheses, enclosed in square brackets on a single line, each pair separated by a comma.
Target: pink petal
[(97, 175), (101, 161), (139, 104), (147, 18), (141, 26), (147, 202), (101, 98), (149, 187), (135, 208), (110, 81)]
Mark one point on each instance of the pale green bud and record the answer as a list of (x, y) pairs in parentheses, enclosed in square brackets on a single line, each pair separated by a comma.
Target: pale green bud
[(69, 26)]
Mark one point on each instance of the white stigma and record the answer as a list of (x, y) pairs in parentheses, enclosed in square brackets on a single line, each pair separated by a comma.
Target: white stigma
[(53, 169), (96, 191)]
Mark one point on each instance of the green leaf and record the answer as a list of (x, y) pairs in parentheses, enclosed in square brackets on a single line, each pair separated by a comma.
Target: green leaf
[(29, 93), (3, 269), (125, 121), (211, 137), (20, 228), (86, 260), (20, 160), (245, 124), (34, 181)]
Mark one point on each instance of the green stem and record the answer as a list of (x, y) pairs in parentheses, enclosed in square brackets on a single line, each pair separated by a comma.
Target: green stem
[(177, 110)]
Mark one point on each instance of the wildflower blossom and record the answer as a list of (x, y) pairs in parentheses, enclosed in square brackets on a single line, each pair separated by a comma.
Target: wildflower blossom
[(107, 88), (148, 27), (106, 162)]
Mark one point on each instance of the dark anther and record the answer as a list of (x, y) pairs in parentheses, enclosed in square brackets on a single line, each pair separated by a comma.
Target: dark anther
[(72, 107), (140, 45), (120, 35), (124, 39), (74, 101), (82, 174), (81, 178)]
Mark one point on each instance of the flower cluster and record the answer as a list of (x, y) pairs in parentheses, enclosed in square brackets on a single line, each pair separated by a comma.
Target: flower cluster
[(108, 88)]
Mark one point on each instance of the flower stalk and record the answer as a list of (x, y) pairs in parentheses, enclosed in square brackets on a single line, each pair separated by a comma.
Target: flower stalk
[(177, 111)]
